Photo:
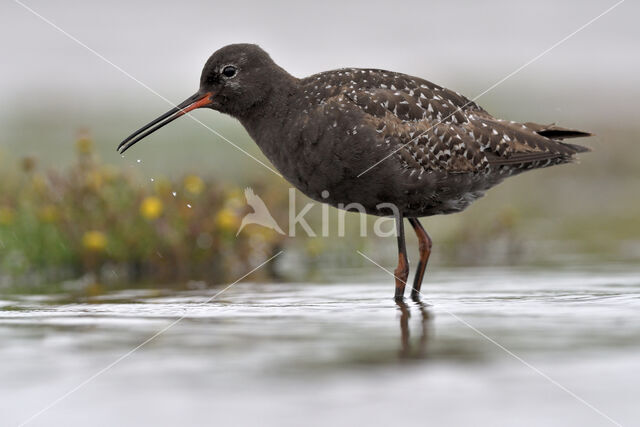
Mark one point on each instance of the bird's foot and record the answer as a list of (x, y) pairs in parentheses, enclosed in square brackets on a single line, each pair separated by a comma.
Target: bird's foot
[(415, 296)]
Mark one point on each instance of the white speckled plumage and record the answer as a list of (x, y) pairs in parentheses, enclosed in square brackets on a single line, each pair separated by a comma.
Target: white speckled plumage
[(431, 128)]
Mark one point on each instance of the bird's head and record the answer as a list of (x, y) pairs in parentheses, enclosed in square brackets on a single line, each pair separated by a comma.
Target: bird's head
[(235, 79)]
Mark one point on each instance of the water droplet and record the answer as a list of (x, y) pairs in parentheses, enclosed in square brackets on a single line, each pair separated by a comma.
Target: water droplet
[(138, 160), (152, 179), (189, 206), (174, 194)]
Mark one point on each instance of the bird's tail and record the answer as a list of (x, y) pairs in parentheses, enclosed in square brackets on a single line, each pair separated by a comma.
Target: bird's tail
[(577, 148), (558, 133)]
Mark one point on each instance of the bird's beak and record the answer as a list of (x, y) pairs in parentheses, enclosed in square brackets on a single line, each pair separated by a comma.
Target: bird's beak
[(198, 100)]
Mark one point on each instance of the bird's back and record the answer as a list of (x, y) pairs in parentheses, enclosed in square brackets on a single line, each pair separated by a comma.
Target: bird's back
[(436, 137), (439, 129)]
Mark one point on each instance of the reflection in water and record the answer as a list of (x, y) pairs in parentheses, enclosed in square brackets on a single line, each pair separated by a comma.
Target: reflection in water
[(426, 322), (322, 354)]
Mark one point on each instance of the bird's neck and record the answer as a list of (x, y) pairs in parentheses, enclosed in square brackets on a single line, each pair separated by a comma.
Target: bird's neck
[(267, 120), (269, 125)]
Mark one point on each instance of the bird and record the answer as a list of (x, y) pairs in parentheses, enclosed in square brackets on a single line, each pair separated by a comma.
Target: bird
[(260, 214), (394, 144)]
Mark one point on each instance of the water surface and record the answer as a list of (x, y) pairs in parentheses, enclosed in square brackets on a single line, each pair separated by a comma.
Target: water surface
[(491, 347)]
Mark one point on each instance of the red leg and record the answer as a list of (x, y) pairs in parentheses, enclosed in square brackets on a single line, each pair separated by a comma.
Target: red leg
[(425, 250), (402, 271)]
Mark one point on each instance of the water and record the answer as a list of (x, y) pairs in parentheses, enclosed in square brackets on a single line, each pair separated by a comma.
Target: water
[(333, 354)]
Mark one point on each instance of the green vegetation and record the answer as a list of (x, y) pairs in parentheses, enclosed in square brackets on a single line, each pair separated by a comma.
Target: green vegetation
[(95, 220), (80, 211)]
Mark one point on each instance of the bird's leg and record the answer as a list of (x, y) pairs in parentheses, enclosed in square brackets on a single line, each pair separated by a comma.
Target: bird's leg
[(402, 271), (425, 250)]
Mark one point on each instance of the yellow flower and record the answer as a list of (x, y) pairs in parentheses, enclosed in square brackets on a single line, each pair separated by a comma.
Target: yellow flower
[(84, 145), (49, 213), (6, 215), (193, 184), (227, 220), (151, 207), (94, 240)]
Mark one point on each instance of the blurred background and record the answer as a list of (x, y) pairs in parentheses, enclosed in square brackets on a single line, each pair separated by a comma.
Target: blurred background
[(71, 206), (111, 268)]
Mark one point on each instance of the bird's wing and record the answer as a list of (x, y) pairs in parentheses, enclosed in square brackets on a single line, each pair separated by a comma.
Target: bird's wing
[(421, 127), (414, 101), (440, 130), (525, 144)]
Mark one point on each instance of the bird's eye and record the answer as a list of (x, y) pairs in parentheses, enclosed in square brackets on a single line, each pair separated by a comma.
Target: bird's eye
[(229, 71)]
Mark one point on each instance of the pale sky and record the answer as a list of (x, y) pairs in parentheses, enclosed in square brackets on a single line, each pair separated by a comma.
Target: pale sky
[(467, 45), (52, 87)]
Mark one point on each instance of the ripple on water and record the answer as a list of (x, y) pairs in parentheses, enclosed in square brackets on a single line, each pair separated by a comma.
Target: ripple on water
[(336, 343)]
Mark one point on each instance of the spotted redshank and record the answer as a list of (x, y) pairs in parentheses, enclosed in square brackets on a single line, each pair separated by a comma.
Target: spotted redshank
[(393, 144)]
